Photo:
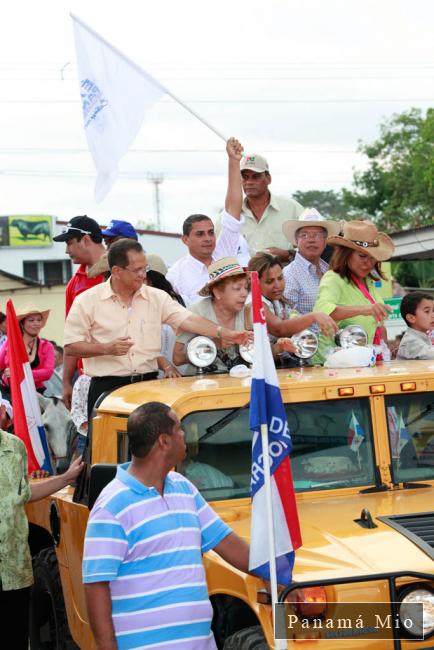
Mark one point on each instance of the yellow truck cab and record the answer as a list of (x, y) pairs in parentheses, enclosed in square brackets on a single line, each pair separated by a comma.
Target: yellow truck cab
[(365, 501)]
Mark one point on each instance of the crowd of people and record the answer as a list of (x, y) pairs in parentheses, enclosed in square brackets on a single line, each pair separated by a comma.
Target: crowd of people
[(129, 319)]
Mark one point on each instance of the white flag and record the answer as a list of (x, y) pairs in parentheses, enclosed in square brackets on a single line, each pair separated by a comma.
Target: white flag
[(115, 95)]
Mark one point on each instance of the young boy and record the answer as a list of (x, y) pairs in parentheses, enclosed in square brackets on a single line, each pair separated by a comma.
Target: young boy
[(417, 309)]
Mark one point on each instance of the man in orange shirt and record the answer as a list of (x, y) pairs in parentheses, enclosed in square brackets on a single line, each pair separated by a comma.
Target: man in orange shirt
[(116, 326)]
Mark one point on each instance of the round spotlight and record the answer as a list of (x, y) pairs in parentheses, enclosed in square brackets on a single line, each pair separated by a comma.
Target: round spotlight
[(247, 352), (350, 336), (306, 343), (409, 616), (201, 351)]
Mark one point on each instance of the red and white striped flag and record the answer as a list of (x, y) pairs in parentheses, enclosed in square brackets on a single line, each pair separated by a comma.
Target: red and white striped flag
[(27, 414)]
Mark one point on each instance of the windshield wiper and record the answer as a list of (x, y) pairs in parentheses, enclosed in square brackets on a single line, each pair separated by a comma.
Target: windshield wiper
[(408, 485), (421, 414), (220, 424)]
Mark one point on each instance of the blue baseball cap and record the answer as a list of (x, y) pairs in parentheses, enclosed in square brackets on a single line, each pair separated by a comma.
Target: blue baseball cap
[(118, 228)]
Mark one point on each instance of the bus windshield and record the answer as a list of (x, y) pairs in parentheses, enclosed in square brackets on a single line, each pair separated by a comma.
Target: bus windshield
[(332, 448)]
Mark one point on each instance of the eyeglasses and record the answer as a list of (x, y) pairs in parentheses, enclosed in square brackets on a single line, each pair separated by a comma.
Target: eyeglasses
[(311, 235), (142, 271)]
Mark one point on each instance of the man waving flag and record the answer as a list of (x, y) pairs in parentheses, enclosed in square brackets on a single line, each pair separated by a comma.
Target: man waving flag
[(27, 414), (268, 423)]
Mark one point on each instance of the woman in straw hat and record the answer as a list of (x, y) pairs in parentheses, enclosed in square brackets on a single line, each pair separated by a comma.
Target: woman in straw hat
[(40, 351), (224, 302), (347, 291)]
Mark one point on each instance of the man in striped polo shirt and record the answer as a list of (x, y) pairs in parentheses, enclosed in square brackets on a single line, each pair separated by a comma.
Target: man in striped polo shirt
[(142, 567)]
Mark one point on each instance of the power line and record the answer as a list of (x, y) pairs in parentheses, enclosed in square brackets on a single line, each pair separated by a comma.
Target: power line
[(132, 176), (62, 151), (268, 78), (375, 100)]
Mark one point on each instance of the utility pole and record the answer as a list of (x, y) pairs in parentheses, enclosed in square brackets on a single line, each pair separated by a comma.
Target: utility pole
[(157, 179)]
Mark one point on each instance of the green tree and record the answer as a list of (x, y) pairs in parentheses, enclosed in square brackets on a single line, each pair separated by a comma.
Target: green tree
[(329, 203), (414, 273), (397, 188)]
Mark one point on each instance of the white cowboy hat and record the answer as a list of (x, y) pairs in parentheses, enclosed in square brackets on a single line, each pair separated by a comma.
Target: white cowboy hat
[(309, 217)]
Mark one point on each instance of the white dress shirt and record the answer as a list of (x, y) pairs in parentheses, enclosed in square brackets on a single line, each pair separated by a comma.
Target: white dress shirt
[(188, 275)]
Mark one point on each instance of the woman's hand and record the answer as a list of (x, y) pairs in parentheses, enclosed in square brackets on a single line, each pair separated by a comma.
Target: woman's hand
[(284, 345), (39, 473), (326, 323), (73, 470), (379, 311), (232, 337)]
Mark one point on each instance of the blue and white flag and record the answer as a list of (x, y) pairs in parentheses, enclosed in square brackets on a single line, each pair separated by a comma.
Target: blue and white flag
[(266, 407), (404, 436), (356, 434), (115, 95)]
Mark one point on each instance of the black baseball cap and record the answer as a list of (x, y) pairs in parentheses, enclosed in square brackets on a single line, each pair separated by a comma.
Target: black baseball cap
[(79, 226)]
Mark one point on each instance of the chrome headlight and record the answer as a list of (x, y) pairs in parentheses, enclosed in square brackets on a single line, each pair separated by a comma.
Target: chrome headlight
[(306, 343), (247, 352), (350, 336), (408, 617), (201, 351)]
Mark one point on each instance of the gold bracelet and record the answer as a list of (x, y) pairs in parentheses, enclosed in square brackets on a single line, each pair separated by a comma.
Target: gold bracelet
[(219, 332)]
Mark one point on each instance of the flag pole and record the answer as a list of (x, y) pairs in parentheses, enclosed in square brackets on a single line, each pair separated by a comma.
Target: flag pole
[(148, 77), (278, 643)]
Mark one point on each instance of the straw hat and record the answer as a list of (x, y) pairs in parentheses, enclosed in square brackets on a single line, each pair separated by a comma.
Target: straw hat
[(22, 312), (225, 268), (156, 263), (364, 236), (100, 266), (309, 217)]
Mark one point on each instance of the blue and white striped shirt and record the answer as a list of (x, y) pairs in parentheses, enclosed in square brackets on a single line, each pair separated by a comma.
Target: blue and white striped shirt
[(149, 548)]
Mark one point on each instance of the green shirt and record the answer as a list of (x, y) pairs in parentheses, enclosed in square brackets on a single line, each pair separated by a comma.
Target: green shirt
[(15, 560), (335, 291), (267, 232)]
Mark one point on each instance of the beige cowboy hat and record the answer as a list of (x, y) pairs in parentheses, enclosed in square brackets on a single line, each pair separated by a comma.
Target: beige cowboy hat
[(225, 268), (31, 308), (364, 236), (309, 217)]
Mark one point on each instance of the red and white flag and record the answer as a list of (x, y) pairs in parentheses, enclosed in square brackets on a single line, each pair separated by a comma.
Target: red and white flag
[(27, 414)]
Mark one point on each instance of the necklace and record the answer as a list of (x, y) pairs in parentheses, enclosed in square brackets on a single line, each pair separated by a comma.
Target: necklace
[(30, 347)]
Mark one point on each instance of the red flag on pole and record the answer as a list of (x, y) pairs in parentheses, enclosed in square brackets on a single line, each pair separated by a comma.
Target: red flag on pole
[(27, 414)]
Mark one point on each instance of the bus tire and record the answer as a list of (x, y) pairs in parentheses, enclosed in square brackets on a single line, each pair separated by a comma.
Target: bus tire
[(48, 626)]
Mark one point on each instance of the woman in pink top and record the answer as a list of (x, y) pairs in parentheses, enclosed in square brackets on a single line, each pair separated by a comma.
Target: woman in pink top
[(40, 351)]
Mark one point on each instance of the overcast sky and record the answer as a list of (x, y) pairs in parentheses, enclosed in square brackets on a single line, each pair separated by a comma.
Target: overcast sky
[(298, 81)]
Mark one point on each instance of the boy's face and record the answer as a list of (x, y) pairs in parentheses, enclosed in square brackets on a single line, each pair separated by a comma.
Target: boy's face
[(423, 319)]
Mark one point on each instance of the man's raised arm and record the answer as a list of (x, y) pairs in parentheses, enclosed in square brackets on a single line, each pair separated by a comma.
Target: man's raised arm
[(234, 194), (231, 220)]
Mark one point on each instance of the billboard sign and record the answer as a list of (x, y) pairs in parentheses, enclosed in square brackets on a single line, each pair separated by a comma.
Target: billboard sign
[(26, 231)]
